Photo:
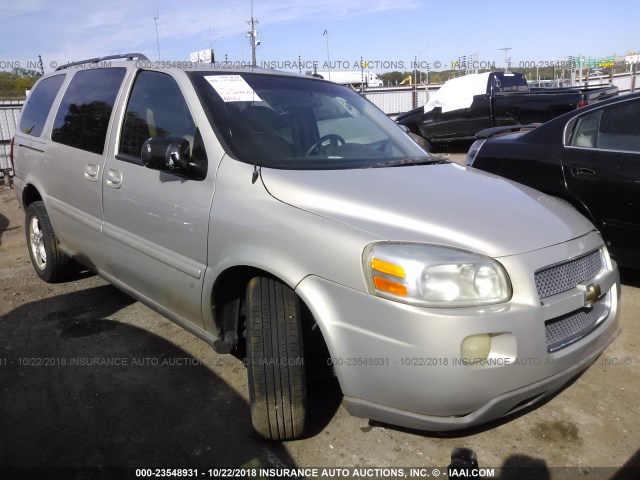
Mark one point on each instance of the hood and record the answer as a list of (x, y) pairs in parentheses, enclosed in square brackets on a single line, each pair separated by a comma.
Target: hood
[(440, 204)]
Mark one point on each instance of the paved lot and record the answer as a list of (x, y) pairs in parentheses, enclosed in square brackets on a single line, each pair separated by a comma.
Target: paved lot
[(141, 392)]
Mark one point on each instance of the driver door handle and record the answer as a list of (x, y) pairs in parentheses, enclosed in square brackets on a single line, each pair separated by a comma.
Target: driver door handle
[(91, 172), (583, 172)]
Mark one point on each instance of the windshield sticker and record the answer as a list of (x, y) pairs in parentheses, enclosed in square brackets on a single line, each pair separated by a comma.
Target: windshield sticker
[(232, 88)]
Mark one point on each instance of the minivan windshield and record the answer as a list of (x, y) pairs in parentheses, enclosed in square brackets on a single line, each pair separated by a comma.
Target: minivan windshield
[(298, 123)]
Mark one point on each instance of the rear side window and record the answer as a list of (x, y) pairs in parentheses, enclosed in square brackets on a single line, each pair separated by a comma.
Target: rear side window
[(39, 103), (586, 131), (620, 127), (83, 117), (613, 128)]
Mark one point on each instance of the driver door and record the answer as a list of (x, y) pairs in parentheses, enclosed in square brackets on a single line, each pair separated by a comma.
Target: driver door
[(156, 223)]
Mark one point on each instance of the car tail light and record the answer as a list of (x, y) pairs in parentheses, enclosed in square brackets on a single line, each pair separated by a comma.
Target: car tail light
[(582, 103)]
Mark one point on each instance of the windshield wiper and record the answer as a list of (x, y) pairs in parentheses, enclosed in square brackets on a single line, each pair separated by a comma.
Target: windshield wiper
[(407, 162)]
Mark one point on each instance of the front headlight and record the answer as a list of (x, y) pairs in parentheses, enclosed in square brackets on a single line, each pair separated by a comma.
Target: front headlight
[(434, 276)]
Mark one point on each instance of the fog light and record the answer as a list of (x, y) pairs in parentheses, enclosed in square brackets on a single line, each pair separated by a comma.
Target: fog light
[(475, 348)]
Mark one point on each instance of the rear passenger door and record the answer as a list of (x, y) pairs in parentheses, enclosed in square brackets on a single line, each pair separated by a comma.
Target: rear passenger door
[(156, 223), (73, 162), (602, 168)]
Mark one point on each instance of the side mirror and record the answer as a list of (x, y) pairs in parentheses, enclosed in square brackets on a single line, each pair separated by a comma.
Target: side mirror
[(168, 154)]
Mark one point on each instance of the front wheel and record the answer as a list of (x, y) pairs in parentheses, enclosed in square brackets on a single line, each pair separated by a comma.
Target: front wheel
[(277, 381), (50, 263)]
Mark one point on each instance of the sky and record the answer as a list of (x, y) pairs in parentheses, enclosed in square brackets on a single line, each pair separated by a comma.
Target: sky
[(295, 34)]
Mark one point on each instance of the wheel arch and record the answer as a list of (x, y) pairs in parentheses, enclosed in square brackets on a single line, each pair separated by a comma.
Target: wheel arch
[(30, 194), (575, 203), (229, 288)]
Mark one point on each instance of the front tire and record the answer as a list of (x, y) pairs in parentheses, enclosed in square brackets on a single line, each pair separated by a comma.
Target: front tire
[(50, 263), (276, 372)]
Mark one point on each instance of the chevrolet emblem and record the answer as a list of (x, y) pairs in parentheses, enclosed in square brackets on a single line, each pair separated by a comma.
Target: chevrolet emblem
[(592, 294)]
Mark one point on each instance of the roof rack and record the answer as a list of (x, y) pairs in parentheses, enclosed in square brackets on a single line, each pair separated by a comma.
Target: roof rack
[(126, 56)]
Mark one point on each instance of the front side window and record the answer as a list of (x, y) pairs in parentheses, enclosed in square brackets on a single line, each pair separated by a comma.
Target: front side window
[(83, 117), (39, 103), (156, 108), (299, 123)]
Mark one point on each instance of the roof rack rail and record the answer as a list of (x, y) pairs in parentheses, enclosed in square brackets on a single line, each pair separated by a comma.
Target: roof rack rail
[(126, 56)]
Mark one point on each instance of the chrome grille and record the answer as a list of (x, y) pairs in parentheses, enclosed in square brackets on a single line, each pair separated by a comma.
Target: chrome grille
[(563, 331), (565, 276)]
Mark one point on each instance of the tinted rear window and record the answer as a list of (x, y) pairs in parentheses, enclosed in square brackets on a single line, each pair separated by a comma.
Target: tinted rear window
[(510, 82), (83, 117), (39, 103)]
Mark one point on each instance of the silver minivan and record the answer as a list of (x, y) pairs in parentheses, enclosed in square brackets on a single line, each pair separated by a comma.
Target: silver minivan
[(265, 211)]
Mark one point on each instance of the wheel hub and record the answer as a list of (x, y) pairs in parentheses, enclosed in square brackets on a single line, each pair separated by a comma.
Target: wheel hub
[(37, 244)]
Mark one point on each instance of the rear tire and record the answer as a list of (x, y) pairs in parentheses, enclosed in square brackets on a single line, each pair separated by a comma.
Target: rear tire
[(276, 372), (50, 263)]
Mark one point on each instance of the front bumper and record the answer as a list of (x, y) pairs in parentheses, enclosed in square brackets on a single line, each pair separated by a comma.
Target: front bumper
[(402, 365), (497, 407)]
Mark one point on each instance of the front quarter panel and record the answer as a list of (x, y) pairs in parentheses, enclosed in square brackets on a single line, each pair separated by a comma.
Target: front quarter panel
[(251, 228)]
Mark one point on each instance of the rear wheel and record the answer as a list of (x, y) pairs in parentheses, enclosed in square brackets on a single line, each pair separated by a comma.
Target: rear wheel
[(276, 372), (50, 263)]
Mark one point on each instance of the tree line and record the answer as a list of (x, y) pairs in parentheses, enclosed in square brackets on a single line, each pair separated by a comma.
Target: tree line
[(14, 84)]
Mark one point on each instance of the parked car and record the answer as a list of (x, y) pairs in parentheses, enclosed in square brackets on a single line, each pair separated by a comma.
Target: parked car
[(465, 105), (287, 215), (589, 158)]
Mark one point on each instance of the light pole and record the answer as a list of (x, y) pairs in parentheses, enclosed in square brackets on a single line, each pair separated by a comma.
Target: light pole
[(420, 57), (252, 34), (326, 35), (506, 58), (155, 19)]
